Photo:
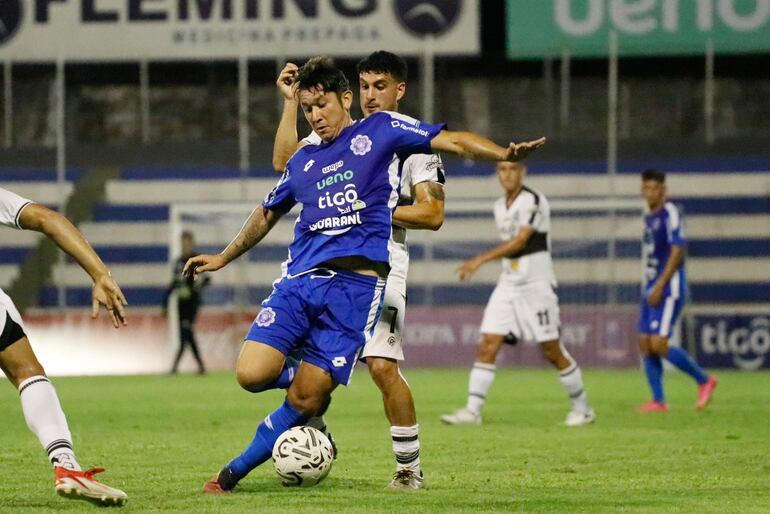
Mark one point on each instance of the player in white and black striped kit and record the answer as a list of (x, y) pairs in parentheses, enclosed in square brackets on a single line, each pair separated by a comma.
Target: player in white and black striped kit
[(39, 401), (524, 305)]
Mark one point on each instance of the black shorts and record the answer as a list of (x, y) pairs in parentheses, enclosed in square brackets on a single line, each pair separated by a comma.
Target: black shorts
[(12, 332)]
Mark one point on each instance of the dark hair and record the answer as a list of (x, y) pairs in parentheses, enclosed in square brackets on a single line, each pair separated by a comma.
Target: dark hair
[(187, 233), (657, 176), (321, 72), (384, 62)]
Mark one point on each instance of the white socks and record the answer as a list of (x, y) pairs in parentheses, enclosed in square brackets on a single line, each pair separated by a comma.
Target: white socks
[(406, 447), (572, 380), (45, 418), (482, 376)]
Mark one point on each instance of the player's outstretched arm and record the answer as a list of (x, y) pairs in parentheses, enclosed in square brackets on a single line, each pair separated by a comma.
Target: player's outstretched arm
[(257, 226), (285, 143), (512, 246), (470, 145), (427, 213), (59, 229)]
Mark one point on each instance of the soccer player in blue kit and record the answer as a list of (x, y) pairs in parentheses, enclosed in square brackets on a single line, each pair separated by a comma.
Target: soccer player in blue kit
[(328, 301), (664, 287)]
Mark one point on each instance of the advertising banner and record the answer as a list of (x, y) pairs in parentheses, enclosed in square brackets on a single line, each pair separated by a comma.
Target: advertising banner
[(741, 342), (644, 27), (74, 344), (449, 337), (117, 30)]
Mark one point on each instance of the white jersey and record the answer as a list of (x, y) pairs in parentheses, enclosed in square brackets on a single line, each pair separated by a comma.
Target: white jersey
[(11, 206), (415, 169), (531, 266)]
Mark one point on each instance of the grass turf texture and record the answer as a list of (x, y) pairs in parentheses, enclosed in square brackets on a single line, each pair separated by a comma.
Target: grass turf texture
[(161, 437)]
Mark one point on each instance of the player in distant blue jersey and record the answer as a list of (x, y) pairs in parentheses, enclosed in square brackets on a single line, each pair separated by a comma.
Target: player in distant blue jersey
[(330, 297), (664, 286)]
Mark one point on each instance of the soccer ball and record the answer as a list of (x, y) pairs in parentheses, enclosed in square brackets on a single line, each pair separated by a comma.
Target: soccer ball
[(302, 456)]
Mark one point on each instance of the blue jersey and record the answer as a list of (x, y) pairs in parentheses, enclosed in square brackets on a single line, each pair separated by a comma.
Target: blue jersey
[(662, 230), (347, 189)]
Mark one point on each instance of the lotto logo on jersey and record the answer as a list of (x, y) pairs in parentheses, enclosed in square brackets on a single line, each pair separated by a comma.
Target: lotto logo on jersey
[(338, 362)]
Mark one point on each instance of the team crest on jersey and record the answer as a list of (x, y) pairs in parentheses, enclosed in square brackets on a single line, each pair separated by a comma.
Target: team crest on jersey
[(361, 145), (265, 318)]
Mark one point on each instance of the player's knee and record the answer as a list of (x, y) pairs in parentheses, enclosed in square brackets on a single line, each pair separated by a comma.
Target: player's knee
[(307, 403), (384, 372), (552, 355), (252, 380), (490, 344), (659, 346)]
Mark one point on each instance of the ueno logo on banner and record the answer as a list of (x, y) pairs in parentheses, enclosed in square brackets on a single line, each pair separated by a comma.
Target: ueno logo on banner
[(747, 346), (632, 17)]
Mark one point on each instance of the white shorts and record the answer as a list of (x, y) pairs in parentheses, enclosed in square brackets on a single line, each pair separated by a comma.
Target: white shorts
[(388, 333), (530, 317), (11, 326)]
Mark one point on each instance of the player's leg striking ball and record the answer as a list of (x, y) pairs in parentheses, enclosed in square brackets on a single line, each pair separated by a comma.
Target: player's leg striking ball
[(327, 315), (261, 367)]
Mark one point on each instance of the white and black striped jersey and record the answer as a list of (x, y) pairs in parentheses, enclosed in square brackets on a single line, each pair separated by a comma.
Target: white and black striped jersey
[(533, 263), (11, 206)]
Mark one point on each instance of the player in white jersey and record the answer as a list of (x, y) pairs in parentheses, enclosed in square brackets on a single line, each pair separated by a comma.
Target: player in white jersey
[(382, 81), (524, 305), (39, 401)]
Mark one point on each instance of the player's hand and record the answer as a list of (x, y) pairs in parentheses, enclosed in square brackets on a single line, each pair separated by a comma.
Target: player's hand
[(107, 292), (467, 269), (655, 295), (520, 151), (285, 81), (203, 263)]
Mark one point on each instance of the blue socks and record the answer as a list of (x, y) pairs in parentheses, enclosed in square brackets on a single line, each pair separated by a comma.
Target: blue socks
[(653, 368), (261, 447), (682, 360), (287, 375)]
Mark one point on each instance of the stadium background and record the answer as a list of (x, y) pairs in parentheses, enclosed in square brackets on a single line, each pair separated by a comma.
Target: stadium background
[(124, 116)]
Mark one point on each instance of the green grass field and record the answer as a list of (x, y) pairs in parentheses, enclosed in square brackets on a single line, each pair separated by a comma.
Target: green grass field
[(162, 437)]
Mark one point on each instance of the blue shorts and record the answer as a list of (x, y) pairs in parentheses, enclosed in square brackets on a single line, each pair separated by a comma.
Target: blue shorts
[(323, 316), (661, 319)]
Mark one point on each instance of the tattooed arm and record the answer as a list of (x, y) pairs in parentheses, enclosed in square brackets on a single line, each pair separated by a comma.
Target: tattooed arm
[(256, 227), (428, 210)]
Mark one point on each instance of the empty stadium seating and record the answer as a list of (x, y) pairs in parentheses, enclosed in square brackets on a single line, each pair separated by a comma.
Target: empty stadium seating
[(728, 223)]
